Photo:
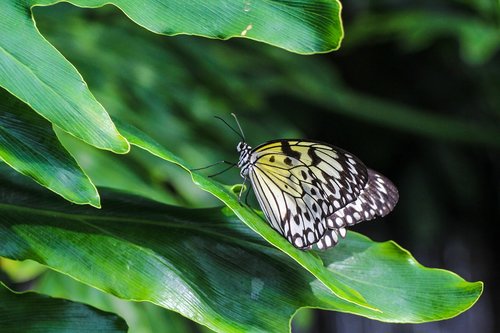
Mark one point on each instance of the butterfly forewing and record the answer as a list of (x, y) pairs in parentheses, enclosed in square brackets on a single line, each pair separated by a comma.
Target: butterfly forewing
[(297, 217)]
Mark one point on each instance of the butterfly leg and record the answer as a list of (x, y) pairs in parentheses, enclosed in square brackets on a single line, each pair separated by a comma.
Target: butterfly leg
[(246, 197), (231, 165), (241, 191), (212, 165)]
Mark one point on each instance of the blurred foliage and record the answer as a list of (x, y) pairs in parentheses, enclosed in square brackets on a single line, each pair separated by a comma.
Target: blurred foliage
[(474, 24), (413, 92)]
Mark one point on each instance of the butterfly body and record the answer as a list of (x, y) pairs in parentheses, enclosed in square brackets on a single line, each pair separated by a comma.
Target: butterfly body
[(311, 191)]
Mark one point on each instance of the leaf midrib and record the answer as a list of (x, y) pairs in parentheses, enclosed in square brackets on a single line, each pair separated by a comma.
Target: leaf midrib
[(83, 218)]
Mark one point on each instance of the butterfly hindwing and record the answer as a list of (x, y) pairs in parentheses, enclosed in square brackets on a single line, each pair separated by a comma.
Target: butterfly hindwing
[(331, 238), (378, 198)]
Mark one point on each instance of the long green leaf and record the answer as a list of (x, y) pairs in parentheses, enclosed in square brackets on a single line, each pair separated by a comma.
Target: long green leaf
[(255, 222), (36, 73), (29, 312), (29, 144), (339, 284), (301, 26), (208, 266)]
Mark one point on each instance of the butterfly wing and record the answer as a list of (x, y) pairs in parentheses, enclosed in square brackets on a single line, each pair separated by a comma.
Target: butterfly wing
[(310, 191), (289, 204), (378, 198)]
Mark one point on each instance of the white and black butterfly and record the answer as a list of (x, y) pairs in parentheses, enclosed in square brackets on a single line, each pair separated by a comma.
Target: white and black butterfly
[(311, 191)]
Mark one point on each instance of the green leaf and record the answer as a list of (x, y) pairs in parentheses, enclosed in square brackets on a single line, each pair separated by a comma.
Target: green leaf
[(30, 312), (36, 73), (141, 317), (208, 266), (344, 286), (254, 221), (301, 26), (30, 146)]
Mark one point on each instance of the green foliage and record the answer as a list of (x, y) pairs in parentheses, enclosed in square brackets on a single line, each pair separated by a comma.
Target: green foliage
[(142, 317), (36, 73), (30, 312), (315, 26), (477, 29), (189, 261), (31, 147), (52, 86)]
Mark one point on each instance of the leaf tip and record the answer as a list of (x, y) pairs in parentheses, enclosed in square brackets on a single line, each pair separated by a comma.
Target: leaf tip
[(123, 146)]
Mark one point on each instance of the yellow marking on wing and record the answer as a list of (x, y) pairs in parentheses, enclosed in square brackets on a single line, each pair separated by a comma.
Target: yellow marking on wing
[(282, 178), (270, 146)]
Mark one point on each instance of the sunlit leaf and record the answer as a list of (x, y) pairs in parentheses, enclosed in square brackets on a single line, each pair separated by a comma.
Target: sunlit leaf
[(302, 26), (29, 145), (35, 72), (211, 268)]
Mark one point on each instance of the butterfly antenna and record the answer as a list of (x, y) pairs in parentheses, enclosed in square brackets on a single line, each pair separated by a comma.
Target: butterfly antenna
[(232, 129), (238, 123)]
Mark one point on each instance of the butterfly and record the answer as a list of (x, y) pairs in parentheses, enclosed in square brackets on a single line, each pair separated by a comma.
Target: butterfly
[(311, 191)]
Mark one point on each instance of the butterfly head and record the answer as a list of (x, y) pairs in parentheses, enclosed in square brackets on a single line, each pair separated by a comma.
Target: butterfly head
[(242, 146)]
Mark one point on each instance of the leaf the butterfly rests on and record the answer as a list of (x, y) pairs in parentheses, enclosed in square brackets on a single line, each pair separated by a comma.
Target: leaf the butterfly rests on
[(311, 191)]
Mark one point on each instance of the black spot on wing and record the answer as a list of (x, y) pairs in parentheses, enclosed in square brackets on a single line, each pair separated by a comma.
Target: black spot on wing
[(288, 151), (314, 157), (287, 215)]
